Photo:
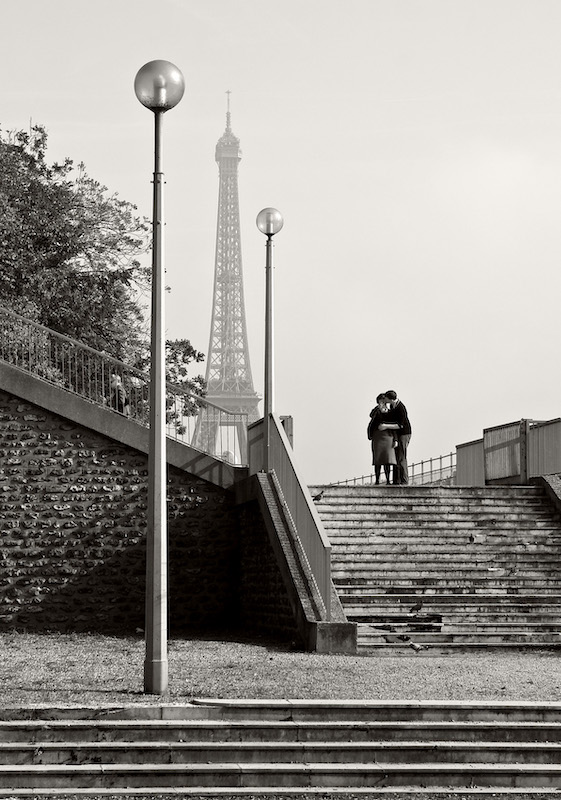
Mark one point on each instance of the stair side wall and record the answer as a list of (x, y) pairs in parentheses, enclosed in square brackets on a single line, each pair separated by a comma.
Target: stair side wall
[(292, 594), (72, 531), (552, 486), (265, 606)]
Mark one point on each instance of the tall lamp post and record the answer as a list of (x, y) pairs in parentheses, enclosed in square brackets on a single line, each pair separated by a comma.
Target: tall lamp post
[(159, 85), (269, 221)]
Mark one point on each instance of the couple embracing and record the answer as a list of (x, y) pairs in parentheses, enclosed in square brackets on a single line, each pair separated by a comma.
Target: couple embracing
[(390, 431)]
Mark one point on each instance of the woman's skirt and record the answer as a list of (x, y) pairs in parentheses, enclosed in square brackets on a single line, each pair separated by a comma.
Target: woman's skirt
[(383, 451)]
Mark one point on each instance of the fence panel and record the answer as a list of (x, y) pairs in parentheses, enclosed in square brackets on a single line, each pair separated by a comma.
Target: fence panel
[(544, 448), (470, 464), (502, 451)]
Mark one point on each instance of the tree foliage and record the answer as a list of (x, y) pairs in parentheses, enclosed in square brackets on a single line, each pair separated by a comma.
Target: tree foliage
[(69, 251), (179, 354), (71, 256)]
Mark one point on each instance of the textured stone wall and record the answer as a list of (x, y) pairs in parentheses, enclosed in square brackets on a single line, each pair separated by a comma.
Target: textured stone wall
[(72, 532)]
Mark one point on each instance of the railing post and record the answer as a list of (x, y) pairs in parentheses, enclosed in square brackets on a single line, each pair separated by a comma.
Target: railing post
[(524, 430)]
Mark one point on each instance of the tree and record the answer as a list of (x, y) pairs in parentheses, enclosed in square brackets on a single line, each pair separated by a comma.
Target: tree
[(70, 257), (69, 251), (179, 354)]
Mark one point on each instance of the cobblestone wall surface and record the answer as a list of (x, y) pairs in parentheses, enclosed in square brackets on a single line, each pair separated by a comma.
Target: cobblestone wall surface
[(72, 532)]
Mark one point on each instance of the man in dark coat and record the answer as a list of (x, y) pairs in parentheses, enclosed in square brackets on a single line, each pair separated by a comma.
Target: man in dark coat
[(398, 415)]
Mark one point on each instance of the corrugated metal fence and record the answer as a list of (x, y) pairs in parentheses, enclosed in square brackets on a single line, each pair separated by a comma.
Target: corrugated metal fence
[(511, 453)]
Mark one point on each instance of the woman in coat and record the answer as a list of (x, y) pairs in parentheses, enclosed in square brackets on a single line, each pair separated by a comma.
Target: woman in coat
[(383, 442)]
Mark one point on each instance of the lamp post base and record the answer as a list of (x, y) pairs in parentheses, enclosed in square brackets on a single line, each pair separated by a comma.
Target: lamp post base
[(155, 677)]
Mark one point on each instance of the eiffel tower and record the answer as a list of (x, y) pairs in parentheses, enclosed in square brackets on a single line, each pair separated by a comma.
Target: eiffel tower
[(228, 373)]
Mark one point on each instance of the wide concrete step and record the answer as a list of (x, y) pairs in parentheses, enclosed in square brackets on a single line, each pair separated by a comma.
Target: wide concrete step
[(446, 570), (486, 628), (295, 776), (406, 594), (408, 556), (458, 537), (445, 582), (492, 516), (515, 575), (375, 612), (491, 510), (209, 713), (496, 583), (390, 500), (180, 743), (382, 522), (413, 606), (276, 751), (419, 494), (481, 541), (387, 584), (484, 586), (439, 492), (408, 648), (386, 576), (458, 635), (476, 542), (303, 745), (420, 553), (456, 616)]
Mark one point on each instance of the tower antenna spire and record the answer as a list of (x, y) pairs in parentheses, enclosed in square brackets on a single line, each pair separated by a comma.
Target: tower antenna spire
[(228, 93)]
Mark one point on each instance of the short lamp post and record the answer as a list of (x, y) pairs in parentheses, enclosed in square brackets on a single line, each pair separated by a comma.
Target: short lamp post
[(269, 222), (159, 85)]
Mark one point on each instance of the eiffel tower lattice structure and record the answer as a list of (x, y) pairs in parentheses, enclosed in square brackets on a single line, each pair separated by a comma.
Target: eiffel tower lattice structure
[(228, 374)]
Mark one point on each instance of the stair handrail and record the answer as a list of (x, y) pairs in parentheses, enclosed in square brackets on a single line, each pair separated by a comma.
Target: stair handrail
[(297, 500), (78, 368)]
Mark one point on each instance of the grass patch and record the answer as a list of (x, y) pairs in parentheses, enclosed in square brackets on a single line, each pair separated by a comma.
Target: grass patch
[(37, 669)]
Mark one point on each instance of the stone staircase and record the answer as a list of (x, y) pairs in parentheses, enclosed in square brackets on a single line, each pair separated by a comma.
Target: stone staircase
[(436, 569), (238, 747)]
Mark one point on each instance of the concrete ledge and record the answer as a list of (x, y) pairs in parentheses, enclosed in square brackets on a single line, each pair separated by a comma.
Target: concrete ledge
[(115, 426)]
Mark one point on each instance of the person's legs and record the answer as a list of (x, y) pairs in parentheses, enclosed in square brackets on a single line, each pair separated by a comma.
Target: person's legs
[(401, 457), (377, 470), (387, 470)]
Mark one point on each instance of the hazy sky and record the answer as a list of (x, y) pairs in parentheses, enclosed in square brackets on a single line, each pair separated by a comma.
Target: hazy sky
[(414, 150)]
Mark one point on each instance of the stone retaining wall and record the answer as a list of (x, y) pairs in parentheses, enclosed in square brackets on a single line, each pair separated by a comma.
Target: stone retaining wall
[(72, 532)]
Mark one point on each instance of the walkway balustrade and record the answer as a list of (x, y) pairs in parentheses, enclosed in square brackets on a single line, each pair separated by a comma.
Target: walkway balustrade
[(439, 470), (77, 368)]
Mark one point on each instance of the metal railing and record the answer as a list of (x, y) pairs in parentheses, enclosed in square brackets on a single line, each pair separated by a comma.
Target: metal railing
[(297, 501), (440, 470), (77, 368)]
